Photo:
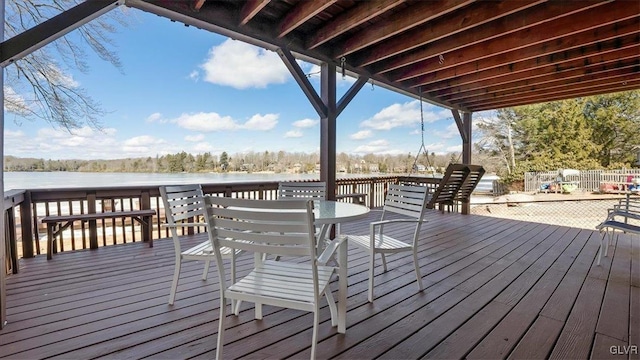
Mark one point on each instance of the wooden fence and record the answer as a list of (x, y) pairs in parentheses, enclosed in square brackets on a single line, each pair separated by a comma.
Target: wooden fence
[(589, 180)]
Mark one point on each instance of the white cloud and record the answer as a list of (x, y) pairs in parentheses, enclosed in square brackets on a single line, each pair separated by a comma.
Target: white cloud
[(194, 138), (377, 147), (206, 122), (305, 123), (209, 122), (314, 73), (14, 102), (143, 140), (240, 65), (155, 117), (261, 122), (293, 134), (402, 115), (455, 148), (194, 75), (13, 134), (203, 147), (362, 134), (451, 131)]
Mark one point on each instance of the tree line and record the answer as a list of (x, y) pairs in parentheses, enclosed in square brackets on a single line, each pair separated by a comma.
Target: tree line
[(267, 161), (595, 132)]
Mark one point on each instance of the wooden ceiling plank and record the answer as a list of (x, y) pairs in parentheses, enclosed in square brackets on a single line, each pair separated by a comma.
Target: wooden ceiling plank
[(300, 13), (457, 22), (197, 4), (559, 81), (540, 75), (250, 9), (499, 29), (357, 15), (615, 84), (540, 34), (536, 57), (419, 13)]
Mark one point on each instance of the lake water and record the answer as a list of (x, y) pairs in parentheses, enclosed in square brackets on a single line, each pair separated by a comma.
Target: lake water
[(40, 180)]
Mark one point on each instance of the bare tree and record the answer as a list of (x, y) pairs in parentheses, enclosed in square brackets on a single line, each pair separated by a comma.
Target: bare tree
[(40, 85)]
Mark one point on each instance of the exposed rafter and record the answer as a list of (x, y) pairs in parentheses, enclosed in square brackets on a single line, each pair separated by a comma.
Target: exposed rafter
[(250, 9), (302, 12)]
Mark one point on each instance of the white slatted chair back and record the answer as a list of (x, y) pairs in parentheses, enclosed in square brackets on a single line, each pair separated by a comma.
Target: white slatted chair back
[(183, 203), (407, 200), (283, 228), (302, 190), (185, 206)]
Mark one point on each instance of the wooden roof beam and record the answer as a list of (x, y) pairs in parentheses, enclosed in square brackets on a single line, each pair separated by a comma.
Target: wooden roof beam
[(442, 27), (509, 65), (551, 83), (357, 15), (300, 13), (250, 9), (520, 21), (541, 76), (419, 13), (622, 83), (197, 4), (545, 32)]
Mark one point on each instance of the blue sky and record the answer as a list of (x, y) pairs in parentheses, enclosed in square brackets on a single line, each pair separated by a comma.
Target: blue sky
[(185, 89)]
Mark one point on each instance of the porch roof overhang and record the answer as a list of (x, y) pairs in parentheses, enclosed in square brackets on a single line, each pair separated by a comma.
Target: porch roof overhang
[(460, 54)]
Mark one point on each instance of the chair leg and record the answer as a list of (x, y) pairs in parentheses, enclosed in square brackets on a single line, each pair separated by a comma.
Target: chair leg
[(314, 337), (384, 262), (174, 283), (258, 311), (602, 241), (371, 265), (221, 318), (332, 307), (415, 263), (206, 269), (235, 304)]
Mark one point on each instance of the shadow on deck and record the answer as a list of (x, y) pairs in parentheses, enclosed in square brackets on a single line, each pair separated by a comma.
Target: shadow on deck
[(495, 288)]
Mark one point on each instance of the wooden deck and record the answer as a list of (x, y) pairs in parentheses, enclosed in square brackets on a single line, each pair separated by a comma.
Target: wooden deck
[(494, 289)]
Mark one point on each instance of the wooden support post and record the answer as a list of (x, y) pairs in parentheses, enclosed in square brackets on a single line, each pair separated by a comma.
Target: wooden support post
[(10, 233), (328, 129), (466, 152), (26, 225)]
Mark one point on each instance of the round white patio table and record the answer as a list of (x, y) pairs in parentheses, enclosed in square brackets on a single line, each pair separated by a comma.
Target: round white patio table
[(327, 213)]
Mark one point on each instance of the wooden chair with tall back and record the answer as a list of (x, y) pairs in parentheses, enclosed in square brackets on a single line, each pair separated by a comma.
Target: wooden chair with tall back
[(284, 228), (185, 206)]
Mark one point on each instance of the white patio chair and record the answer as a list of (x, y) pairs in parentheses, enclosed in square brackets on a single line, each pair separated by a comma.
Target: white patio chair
[(407, 200), (316, 190), (284, 228), (184, 206), (309, 190)]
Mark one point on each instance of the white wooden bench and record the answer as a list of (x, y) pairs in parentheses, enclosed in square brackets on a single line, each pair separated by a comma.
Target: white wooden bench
[(57, 223)]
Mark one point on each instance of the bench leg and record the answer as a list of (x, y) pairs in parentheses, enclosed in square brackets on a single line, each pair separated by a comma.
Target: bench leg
[(50, 241)]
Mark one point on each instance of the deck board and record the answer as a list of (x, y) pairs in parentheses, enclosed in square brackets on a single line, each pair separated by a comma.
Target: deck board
[(494, 288)]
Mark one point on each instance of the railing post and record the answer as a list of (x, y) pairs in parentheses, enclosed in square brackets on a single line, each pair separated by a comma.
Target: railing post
[(372, 191), (10, 233), (93, 224), (26, 225), (146, 227)]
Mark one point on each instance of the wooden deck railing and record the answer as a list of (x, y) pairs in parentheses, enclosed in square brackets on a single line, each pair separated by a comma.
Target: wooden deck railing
[(26, 236)]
